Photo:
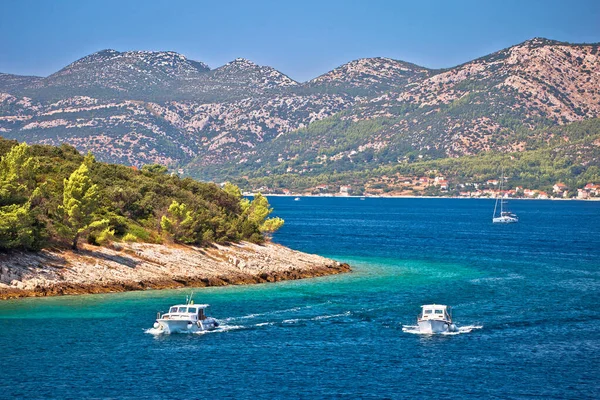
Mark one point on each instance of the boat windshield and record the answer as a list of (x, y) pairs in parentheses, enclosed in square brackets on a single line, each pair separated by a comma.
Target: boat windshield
[(182, 309), (173, 310), (434, 312), (192, 310)]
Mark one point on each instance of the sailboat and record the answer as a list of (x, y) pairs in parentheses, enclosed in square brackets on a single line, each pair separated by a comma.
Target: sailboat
[(505, 216)]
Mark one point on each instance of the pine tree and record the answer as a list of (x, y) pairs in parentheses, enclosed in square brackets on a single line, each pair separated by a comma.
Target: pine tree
[(80, 200), (17, 175), (257, 212), (233, 190), (17, 190), (259, 209), (179, 222), (16, 227), (271, 225)]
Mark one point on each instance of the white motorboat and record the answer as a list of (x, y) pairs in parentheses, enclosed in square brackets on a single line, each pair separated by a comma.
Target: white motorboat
[(435, 318), (297, 199), (185, 318)]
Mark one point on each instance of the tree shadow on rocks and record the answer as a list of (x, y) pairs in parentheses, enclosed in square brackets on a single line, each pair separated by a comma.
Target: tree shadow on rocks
[(116, 258)]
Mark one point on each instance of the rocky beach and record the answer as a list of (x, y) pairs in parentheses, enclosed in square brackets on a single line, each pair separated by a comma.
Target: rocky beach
[(142, 266)]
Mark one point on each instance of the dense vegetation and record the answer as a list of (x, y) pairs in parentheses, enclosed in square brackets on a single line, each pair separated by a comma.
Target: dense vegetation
[(342, 143), (54, 196), (569, 154)]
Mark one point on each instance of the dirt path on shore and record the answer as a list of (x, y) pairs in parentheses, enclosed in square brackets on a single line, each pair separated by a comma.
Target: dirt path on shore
[(140, 266)]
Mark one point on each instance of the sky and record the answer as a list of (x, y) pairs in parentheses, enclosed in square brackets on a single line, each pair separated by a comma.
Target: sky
[(302, 39)]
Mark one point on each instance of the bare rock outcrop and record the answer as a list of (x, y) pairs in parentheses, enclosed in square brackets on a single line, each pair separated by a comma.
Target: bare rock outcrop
[(140, 266)]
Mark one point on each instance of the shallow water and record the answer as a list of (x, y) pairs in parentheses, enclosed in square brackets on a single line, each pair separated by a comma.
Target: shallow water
[(525, 295)]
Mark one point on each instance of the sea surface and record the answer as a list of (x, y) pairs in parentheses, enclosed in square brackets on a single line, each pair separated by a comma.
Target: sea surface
[(526, 297)]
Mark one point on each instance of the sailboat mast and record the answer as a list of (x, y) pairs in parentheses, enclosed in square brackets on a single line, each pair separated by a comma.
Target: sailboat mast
[(501, 194), (495, 206)]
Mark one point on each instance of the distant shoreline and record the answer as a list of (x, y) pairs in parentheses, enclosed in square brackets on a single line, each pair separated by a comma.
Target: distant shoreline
[(420, 197)]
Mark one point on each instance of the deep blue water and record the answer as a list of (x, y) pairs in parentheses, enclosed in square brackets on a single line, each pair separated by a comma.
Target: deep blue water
[(532, 289)]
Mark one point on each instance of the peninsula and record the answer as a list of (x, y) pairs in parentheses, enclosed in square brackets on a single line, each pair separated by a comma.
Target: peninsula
[(70, 225)]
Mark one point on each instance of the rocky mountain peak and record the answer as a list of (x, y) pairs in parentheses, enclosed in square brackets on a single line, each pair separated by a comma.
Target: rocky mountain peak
[(378, 73), (101, 55), (110, 73), (242, 61), (540, 41), (141, 58), (248, 73)]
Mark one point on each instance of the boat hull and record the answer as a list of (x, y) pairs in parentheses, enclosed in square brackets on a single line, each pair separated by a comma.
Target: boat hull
[(185, 326), (435, 326), (505, 220)]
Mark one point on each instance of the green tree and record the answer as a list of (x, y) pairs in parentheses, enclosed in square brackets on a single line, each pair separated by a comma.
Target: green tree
[(236, 192), (258, 209), (80, 200), (179, 223), (257, 212), (16, 227), (271, 225), (155, 169), (17, 175), (233, 190)]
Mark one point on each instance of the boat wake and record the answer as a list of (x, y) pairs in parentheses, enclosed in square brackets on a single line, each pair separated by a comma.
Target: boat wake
[(289, 310), (493, 279), (228, 324), (414, 329), (320, 317)]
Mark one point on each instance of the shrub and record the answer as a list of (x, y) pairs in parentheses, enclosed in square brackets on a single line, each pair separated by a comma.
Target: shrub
[(129, 237)]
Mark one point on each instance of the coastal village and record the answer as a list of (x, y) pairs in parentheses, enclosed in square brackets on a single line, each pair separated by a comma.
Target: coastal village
[(409, 186)]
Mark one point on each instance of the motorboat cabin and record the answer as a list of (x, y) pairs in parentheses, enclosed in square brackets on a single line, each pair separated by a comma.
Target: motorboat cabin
[(192, 311), (435, 318)]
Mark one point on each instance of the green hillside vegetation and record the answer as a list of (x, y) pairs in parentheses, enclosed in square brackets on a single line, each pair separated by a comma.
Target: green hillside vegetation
[(55, 197), (408, 132), (569, 154)]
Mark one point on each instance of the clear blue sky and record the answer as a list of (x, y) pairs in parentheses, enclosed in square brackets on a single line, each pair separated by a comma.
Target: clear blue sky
[(302, 38)]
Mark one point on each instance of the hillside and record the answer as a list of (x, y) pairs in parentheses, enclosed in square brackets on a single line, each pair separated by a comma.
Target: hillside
[(569, 154), (54, 197), (14, 83), (242, 119), (474, 108), (171, 133)]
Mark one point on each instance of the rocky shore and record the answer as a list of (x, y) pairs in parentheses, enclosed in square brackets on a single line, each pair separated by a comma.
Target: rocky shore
[(141, 266)]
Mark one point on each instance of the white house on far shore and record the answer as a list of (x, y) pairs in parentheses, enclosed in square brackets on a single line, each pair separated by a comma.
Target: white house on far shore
[(345, 190)]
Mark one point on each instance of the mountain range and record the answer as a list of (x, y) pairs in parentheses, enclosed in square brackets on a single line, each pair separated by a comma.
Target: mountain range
[(251, 121)]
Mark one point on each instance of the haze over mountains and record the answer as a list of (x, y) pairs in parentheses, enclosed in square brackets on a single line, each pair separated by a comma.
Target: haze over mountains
[(140, 107)]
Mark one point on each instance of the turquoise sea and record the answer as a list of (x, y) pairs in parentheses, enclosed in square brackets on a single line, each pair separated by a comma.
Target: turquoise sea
[(527, 296)]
